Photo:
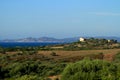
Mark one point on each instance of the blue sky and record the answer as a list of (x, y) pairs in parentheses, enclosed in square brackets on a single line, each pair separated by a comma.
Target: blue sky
[(59, 18)]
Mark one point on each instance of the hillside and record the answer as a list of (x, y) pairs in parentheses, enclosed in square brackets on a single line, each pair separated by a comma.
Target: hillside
[(88, 44)]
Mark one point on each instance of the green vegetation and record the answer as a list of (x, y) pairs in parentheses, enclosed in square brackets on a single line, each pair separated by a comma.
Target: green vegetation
[(117, 57), (53, 54), (29, 77), (92, 43), (28, 66), (88, 44), (31, 63), (2, 50), (91, 70)]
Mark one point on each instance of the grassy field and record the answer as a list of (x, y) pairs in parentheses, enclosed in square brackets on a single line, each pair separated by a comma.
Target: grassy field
[(72, 56), (108, 53), (76, 55), (43, 63)]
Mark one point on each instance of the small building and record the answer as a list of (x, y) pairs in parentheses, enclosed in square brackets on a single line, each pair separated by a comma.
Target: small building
[(109, 40), (82, 39)]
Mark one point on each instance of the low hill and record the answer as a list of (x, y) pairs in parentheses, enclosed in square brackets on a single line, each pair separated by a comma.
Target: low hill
[(90, 43)]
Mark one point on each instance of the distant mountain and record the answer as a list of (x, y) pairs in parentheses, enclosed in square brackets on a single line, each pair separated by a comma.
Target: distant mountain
[(41, 39), (49, 39)]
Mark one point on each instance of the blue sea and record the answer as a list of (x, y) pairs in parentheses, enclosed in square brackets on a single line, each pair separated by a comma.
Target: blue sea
[(25, 44)]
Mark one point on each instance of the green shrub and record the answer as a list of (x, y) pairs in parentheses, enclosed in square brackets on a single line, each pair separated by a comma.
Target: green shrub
[(19, 69), (117, 57), (28, 77), (91, 70), (2, 50)]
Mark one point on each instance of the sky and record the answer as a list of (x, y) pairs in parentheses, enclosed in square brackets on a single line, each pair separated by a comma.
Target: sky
[(59, 18)]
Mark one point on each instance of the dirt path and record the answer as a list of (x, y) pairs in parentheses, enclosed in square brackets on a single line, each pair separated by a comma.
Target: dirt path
[(109, 57)]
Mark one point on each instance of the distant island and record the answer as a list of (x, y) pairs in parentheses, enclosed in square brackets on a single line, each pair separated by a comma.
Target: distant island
[(41, 39)]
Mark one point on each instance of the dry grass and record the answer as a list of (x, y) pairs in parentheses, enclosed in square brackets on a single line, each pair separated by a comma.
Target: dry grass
[(108, 54), (76, 55), (57, 47)]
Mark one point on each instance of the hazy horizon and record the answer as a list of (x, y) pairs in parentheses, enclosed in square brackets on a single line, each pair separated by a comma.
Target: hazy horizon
[(106, 37), (59, 19)]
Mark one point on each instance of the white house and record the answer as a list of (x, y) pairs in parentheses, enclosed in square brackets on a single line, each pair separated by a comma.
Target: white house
[(109, 40), (82, 39)]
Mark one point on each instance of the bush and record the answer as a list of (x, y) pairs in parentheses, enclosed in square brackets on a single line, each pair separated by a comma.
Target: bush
[(19, 69), (117, 57), (53, 54), (91, 70), (96, 56), (2, 50), (28, 77)]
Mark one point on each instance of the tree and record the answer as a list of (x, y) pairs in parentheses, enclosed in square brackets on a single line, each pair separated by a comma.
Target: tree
[(2, 50)]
